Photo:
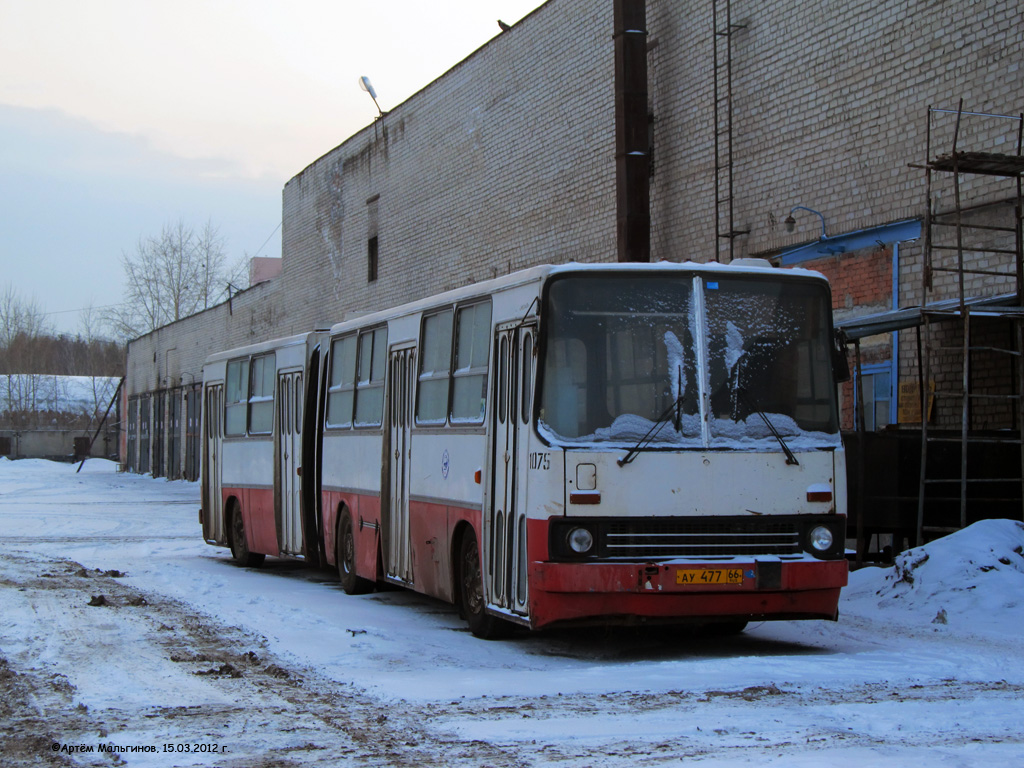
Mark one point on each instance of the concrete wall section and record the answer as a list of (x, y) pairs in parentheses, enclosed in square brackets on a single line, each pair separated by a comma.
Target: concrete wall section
[(57, 444), (173, 355)]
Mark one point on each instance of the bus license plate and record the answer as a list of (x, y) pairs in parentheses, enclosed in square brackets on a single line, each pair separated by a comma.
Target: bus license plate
[(709, 576)]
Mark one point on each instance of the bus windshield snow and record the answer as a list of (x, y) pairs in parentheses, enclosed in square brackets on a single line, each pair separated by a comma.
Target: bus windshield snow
[(700, 361)]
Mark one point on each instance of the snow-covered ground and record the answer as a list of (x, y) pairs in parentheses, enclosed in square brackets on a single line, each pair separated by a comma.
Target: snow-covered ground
[(277, 666)]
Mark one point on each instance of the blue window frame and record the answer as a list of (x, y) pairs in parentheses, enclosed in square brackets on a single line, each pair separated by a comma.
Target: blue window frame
[(879, 401)]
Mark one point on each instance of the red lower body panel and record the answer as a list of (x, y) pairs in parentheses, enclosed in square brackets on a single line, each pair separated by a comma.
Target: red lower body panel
[(572, 592), (365, 512), (431, 530)]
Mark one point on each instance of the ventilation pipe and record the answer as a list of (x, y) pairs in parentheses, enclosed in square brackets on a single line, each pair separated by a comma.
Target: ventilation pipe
[(632, 141)]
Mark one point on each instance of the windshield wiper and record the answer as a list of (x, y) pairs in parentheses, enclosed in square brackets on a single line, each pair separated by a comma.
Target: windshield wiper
[(756, 408), (753, 405), (674, 411)]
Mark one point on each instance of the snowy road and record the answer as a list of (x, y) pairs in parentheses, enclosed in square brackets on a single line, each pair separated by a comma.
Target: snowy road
[(200, 662)]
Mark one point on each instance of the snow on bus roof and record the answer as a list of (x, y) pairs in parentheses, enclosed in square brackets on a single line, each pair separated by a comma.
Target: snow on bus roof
[(744, 265), (503, 283), (534, 274), (255, 349)]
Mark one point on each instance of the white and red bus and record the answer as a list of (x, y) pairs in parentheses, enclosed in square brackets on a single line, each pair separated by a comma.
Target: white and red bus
[(568, 444), (253, 401)]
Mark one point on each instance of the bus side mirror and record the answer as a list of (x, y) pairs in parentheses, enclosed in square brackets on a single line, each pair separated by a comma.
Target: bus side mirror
[(840, 365)]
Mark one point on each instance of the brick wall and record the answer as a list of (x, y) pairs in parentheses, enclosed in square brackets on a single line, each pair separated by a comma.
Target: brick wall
[(830, 104)]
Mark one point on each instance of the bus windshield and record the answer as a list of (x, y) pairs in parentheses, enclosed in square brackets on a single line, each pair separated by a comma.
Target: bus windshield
[(704, 360)]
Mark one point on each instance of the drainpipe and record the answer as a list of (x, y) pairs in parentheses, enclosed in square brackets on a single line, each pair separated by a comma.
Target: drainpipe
[(632, 146), (894, 377)]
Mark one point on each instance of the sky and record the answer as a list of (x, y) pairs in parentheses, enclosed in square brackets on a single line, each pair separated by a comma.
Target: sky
[(118, 117)]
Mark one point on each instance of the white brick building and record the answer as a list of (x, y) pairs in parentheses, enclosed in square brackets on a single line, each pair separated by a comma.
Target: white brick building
[(508, 160)]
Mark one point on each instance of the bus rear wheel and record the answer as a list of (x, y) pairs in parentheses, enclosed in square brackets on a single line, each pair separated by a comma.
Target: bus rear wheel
[(239, 546), (471, 593), (346, 558)]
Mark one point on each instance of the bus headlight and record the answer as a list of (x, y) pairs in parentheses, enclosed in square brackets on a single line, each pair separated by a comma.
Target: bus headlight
[(580, 540), (821, 538)]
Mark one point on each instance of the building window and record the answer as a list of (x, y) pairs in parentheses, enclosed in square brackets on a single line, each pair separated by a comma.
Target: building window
[(876, 381), (371, 259), (372, 248)]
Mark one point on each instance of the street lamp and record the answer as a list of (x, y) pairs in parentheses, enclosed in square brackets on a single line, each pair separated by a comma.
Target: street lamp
[(790, 222), (366, 85)]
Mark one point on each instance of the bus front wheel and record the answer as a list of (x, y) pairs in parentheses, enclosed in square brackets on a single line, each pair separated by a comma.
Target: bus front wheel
[(471, 593)]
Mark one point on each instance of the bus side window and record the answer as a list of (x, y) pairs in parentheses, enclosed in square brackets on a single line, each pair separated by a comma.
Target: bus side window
[(435, 368), (342, 387), (261, 395), (370, 382), (236, 397), (526, 399), (472, 342)]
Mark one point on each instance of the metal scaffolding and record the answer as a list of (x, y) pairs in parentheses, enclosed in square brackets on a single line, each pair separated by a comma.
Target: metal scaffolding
[(971, 252)]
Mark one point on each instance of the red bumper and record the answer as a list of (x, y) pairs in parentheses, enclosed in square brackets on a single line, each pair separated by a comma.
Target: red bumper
[(573, 592)]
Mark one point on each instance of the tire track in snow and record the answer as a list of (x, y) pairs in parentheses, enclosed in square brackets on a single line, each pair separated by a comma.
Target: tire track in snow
[(224, 686)]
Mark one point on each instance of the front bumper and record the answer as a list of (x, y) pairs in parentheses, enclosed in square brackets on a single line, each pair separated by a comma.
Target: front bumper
[(768, 588)]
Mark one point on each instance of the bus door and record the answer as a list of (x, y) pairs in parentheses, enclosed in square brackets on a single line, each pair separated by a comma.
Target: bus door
[(397, 457), (505, 517), (289, 451), (213, 440)]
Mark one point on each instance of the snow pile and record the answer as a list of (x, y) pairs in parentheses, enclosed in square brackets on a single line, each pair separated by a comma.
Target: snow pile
[(971, 580)]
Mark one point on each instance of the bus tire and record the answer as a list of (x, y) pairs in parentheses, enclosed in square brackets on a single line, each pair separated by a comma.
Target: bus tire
[(471, 593), (239, 546), (345, 554)]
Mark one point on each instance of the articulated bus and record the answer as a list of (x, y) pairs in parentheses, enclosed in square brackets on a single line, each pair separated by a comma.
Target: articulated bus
[(567, 444)]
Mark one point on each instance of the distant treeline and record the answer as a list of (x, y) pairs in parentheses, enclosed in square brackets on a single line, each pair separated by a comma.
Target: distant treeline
[(62, 356)]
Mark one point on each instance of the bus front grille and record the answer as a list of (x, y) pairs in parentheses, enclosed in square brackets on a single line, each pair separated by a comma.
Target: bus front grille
[(662, 538)]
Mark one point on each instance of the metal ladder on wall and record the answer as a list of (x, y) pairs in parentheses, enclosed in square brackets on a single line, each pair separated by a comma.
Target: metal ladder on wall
[(725, 228), (977, 250)]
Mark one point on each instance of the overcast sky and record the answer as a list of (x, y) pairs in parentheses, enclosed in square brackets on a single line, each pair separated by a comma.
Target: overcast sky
[(120, 116)]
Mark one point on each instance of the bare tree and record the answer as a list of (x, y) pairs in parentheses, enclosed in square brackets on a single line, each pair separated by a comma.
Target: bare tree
[(210, 247), (170, 276), (22, 324), (102, 386), (19, 317)]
